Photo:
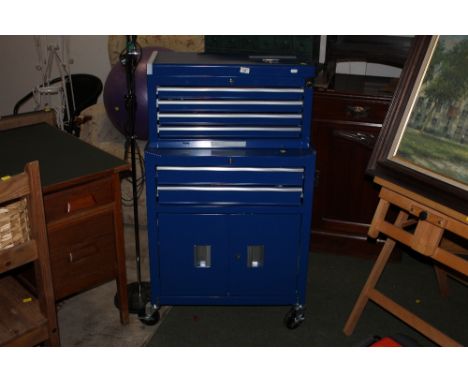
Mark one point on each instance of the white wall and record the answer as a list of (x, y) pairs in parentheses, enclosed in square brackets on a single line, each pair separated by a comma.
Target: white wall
[(19, 58)]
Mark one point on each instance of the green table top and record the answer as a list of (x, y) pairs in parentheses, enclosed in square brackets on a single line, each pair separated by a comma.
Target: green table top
[(62, 157)]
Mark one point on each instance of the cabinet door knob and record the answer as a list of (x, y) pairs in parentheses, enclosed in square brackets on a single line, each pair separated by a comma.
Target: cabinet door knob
[(357, 111)]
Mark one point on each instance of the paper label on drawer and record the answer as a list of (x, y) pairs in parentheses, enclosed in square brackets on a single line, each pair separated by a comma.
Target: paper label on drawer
[(244, 70)]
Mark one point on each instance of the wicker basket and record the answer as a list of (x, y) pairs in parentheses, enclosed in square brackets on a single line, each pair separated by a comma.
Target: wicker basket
[(14, 224)]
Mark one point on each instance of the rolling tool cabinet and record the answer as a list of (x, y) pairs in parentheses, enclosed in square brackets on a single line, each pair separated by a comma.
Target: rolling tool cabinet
[(229, 172)]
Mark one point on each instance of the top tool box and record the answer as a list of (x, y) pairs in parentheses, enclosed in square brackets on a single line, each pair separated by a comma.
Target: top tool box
[(229, 172)]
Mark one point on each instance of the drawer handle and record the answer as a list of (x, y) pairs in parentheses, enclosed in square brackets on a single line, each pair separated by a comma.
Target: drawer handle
[(233, 128), (224, 189), (82, 253), (232, 102), (357, 111), (161, 89), (230, 115), (230, 169), (81, 203), (367, 140)]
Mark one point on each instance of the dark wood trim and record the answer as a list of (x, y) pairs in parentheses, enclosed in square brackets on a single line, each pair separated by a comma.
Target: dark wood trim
[(379, 165), (85, 179), (120, 264), (13, 121), (399, 101)]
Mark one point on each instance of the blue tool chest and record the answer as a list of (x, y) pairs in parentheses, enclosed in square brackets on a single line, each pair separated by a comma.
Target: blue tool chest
[(229, 180)]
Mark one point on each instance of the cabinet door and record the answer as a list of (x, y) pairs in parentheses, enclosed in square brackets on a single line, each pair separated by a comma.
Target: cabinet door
[(346, 198), (192, 254), (264, 254), (344, 131)]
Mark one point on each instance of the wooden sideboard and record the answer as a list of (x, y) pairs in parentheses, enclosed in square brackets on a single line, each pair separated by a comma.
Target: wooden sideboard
[(345, 126), (82, 202)]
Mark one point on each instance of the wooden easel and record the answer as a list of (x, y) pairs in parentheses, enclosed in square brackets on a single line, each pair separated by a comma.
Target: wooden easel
[(421, 224)]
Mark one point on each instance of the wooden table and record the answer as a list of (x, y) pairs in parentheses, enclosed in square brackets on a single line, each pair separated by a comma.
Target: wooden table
[(82, 201), (422, 225)]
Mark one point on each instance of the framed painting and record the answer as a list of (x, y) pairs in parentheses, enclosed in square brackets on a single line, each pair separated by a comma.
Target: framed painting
[(423, 144)]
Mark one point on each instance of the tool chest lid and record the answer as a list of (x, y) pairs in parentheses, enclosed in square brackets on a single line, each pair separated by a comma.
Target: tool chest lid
[(186, 63)]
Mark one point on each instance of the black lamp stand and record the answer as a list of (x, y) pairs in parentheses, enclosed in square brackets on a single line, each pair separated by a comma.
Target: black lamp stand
[(139, 292)]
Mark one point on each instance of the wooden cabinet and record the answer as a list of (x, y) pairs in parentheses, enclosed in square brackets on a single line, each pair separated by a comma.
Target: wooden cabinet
[(82, 203), (344, 129), (80, 225)]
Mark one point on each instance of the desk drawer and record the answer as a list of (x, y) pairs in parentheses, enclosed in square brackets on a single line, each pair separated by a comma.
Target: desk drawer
[(69, 202), (82, 254), (349, 109)]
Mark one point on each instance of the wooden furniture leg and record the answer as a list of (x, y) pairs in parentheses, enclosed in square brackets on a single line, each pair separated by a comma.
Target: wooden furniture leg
[(26, 319), (442, 280), (373, 278), (421, 224), (120, 263)]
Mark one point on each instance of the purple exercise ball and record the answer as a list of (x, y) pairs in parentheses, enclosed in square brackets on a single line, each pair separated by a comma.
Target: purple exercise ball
[(115, 90)]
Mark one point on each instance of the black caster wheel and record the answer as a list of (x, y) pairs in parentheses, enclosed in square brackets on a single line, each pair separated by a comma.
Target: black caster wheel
[(150, 316), (294, 317)]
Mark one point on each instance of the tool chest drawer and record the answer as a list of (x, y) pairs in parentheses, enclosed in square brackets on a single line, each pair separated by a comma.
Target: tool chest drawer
[(232, 175), (229, 185), (228, 195), (215, 177), (258, 103), (246, 112)]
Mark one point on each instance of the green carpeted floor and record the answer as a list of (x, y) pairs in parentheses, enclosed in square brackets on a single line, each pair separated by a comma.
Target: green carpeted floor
[(334, 283)]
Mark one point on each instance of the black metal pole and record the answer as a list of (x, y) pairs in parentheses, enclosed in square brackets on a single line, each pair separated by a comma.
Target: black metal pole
[(131, 64), (139, 292)]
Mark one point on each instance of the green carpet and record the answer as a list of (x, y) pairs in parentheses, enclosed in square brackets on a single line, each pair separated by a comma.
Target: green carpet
[(334, 282)]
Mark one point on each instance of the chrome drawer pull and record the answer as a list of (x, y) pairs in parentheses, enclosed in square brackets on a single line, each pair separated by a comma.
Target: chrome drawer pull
[(231, 115), (228, 89), (224, 189), (221, 128), (233, 169), (191, 102)]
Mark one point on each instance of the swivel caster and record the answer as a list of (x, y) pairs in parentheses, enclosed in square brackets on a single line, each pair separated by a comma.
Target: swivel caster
[(150, 316), (294, 317)]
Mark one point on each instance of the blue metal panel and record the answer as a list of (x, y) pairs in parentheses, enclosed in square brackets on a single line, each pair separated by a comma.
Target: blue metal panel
[(178, 273), (278, 236)]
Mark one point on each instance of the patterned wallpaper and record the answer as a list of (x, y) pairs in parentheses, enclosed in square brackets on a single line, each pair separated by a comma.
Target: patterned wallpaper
[(177, 43)]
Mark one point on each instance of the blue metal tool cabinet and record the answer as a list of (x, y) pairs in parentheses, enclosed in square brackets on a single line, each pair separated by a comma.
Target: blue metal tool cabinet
[(229, 180)]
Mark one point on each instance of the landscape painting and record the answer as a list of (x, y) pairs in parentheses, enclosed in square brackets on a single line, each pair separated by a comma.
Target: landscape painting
[(433, 134)]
